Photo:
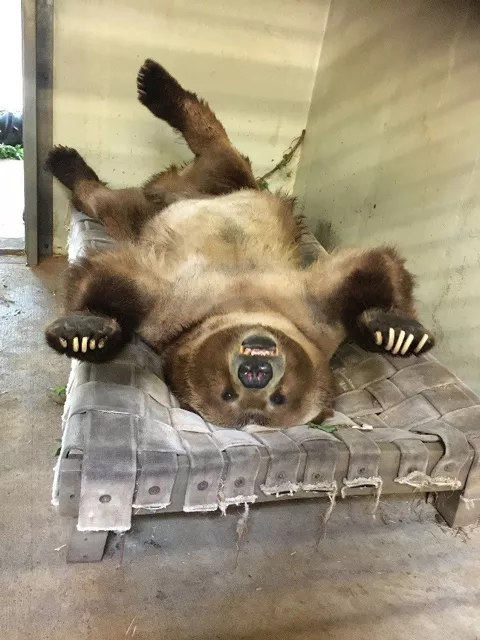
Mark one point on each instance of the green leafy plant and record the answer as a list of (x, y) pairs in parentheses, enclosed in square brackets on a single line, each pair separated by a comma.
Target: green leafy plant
[(57, 394), (7, 152), (60, 389), (322, 427), (58, 451)]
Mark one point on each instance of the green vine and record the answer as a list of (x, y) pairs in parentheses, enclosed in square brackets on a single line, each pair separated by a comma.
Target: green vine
[(262, 181)]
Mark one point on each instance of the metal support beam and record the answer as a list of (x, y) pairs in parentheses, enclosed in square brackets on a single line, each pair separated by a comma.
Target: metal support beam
[(37, 125)]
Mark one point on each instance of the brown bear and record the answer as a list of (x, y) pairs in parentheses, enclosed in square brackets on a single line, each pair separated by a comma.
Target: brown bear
[(207, 270)]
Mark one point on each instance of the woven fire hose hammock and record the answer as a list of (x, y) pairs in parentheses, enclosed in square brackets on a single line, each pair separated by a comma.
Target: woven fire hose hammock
[(401, 426)]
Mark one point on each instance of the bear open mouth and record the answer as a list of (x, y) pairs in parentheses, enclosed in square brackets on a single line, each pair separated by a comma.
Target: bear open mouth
[(259, 346), (258, 351)]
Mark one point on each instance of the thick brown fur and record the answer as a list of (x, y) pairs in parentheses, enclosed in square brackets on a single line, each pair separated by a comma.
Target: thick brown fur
[(205, 261)]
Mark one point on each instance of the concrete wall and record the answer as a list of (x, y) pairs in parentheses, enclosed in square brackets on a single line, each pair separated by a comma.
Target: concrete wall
[(254, 61), (392, 150)]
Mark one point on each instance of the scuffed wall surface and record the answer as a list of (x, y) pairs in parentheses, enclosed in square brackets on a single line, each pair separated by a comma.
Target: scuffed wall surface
[(392, 152), (254, 61)]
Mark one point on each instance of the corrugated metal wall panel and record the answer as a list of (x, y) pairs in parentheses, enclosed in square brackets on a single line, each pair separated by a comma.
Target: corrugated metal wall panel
[(392, 152)]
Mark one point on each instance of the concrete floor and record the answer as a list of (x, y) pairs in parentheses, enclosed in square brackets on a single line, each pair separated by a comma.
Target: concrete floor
[(398, 576)]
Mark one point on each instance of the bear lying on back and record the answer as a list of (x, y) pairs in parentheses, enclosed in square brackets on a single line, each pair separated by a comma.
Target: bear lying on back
[(206, 269)]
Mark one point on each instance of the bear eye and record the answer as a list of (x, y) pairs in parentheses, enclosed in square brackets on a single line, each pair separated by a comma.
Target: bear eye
[(228, 395), (278, 398)]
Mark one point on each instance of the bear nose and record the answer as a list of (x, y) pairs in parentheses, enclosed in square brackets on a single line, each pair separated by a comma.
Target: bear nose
[(255, 375)]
